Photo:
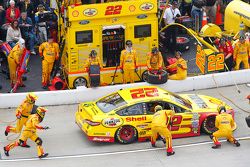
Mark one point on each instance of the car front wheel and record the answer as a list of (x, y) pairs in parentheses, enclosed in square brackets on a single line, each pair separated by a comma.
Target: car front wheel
[(126, 134), (208, 125)]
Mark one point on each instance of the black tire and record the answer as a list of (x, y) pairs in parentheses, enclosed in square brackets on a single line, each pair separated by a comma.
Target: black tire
[(126, 134), (144, 76), (80, 81), (208, 125), (154, 79), (182, 43)]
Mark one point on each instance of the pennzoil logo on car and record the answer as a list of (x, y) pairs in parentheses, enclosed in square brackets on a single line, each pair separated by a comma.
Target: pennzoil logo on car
[(90, 12), (146, 6), (112, 122)]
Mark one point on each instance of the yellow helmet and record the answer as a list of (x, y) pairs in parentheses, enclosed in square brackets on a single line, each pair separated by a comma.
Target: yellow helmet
[(221, 109), (41, 111), (31, 97), (158, 108)]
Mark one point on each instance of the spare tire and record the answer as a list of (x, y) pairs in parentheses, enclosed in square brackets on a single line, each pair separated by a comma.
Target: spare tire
[(157, 78), (182, 43)]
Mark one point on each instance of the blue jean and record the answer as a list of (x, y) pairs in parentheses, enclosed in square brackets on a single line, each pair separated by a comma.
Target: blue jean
[(30, 36), (197, 14)]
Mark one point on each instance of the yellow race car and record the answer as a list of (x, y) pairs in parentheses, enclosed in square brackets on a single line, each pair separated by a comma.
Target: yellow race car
[(125, 116)]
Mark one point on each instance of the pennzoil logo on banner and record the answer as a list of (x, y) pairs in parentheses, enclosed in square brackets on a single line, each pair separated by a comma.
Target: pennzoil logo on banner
[(90, 12), (146, 6)]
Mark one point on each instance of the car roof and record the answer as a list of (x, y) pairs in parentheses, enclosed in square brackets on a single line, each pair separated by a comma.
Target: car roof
[(143, 93)]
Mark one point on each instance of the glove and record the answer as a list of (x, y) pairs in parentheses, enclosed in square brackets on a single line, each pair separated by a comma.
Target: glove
[(179, 65), (42, 57), (136, 69), (46, 128), (149, 69), (18, 115), (122, 71)]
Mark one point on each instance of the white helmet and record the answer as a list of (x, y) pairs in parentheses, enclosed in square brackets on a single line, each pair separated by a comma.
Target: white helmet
[(21, 43)]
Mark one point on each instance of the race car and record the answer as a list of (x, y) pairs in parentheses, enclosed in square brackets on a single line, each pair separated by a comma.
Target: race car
[(125, 116)]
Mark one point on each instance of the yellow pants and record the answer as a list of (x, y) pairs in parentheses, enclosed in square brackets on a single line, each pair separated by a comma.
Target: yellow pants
[(24, 137), (46, 71), (19, 125), (12, 69), (241, 59), (129, 75), (177, 77), (164, 132), (228, 134)]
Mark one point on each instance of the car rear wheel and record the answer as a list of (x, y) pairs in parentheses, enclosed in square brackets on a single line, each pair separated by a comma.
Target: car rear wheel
[(126, 134), (208, 125)]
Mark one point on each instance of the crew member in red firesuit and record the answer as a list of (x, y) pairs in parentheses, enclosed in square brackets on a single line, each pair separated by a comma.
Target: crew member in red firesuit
[(227, 48), (225, 123), (159, 126)]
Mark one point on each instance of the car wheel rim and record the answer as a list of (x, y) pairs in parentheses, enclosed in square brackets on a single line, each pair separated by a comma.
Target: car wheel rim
[(80, 82), (145, 76), (210, 124), (126, 133)]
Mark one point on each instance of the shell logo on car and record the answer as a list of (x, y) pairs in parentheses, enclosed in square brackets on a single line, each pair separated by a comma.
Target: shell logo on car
[(125, 116)]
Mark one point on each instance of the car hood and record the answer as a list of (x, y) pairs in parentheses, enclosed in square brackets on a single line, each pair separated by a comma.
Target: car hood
[(203, 103)]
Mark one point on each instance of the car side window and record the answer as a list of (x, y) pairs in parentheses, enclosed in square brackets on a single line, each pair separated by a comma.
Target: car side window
[(150, 106), (136, 109), (176, 108)]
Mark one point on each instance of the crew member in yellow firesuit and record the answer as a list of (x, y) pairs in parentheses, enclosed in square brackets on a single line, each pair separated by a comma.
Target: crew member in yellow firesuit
[(14, 61), (93, 60), (225, 123), (49, 52), (181, 66), (22, 113), (29, 132), (154, 60), (128, 63), (241, 52), (159, 126)]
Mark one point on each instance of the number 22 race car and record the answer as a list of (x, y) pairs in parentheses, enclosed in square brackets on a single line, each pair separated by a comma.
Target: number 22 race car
[(125, 116)]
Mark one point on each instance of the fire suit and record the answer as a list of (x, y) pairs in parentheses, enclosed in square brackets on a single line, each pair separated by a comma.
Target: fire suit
[(128, 65), (224, 122), (227, 49), (93, 61), (29, 132), (14, 61), (181, 66), (154, 61), (241, 52), (49, 52), (159, 126)]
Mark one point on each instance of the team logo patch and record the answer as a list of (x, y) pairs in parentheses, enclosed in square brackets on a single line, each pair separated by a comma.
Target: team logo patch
[(147, 6), (90, 12)]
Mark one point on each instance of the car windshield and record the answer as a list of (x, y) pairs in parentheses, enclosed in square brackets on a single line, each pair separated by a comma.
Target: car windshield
[(180, 100), (110, 102)]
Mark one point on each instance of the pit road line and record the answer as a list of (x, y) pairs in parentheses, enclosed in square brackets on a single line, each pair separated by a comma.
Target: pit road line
[(111, 153)]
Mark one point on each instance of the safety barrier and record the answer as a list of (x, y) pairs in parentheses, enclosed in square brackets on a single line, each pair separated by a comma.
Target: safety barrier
[(82, 94)]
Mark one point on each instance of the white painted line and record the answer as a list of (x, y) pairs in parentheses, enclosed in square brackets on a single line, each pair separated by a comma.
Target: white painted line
[(111, 153)]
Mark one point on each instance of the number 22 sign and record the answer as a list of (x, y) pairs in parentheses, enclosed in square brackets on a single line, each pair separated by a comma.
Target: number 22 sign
[(113, 10)]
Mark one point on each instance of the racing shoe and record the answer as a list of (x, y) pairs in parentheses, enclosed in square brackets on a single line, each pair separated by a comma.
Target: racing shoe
[(25, 145), (153, 145), (216, 146), (7, 130), (170, 153), (43, 155), (6, 152), (237, 143)]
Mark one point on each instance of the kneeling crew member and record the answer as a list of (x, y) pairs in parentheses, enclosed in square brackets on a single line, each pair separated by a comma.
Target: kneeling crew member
[(30, 133), (181, 66), (22, 113), (154, 60), (49, 52), (159, 126), (128, 63), (225, 123)]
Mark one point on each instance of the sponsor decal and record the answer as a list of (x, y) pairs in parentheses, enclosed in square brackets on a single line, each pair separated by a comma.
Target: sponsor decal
[(100, 134), (198, 101), (142, 133), (101, 139), (90, 12), (134, 119), (131, 8), (142, 126), (112, 122), (142, 16), (75, 13), (83, 22), (147, 6)]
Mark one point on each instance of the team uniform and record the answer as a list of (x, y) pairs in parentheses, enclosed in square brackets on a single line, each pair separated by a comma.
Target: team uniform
[(181, 66), (154, 61), (241, 52), (227, 49)]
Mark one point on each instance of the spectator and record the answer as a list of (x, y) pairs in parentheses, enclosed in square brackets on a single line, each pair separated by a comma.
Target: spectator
[(13, 33), (186, 6), (12, 13), (197, 13), (2, 20), (25, 24), (41, 23), (27, 6), (169, 16), (210, 9)]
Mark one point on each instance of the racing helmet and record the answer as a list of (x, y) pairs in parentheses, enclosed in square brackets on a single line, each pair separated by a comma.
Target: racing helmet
[(221, 109), (179, 53), (31, 98), (155, 50), (158, 108), (93, 53), (41, 112), (129, 42)]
